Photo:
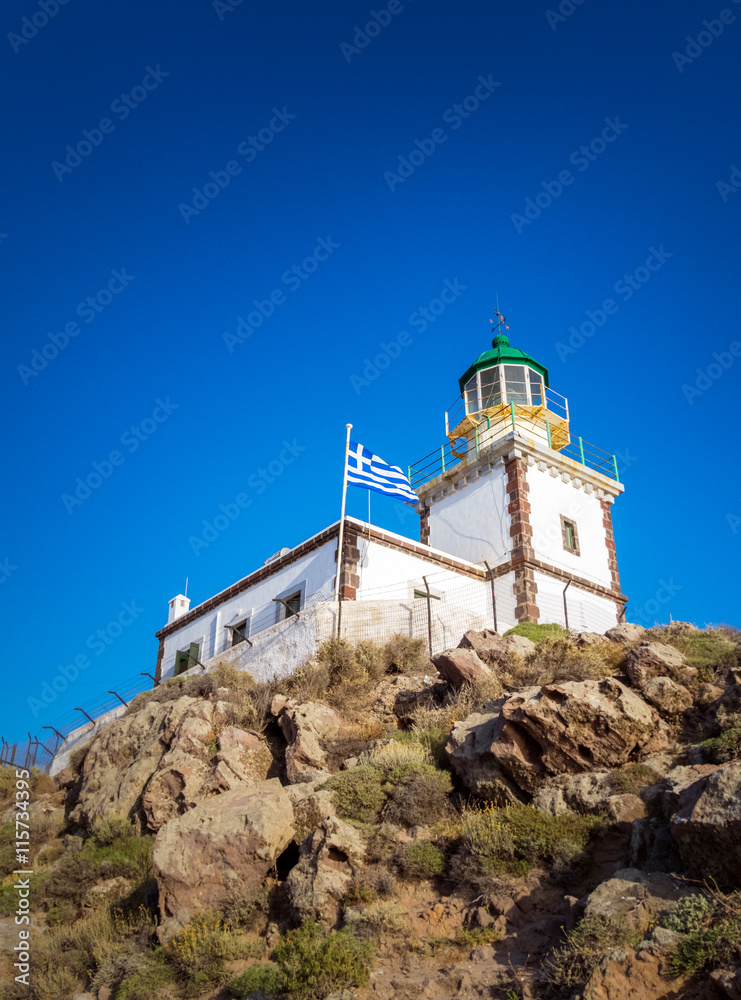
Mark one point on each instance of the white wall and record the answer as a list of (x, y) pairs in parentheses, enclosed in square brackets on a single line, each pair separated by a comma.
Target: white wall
[(549, 498), (473, 523), (587, 612), (313, 573)]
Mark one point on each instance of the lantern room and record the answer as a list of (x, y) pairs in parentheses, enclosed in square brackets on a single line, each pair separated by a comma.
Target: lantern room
[(505, 388)]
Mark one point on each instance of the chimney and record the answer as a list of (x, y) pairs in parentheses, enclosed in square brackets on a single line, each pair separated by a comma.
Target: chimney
[(178, 607)]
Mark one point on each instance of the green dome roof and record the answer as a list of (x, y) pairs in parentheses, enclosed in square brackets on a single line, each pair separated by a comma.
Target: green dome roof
[(502, 354)]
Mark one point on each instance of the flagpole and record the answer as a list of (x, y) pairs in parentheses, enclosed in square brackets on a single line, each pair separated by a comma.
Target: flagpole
[(341, 537)]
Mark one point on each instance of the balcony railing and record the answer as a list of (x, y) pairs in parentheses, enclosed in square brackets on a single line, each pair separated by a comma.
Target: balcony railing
[(459, 450), (470, 409)]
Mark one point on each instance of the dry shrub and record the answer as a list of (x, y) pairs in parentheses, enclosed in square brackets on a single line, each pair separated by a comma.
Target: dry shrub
[(585, 948), (560, 659), (420, 860), (380, 920), (421, 798), (404, 655), (198, 952)]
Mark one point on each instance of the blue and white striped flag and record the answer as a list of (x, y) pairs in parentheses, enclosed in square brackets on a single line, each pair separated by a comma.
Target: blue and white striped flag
[(369, 472)]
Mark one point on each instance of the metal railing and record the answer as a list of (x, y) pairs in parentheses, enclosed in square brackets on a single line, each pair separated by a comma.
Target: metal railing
[(477, 406)]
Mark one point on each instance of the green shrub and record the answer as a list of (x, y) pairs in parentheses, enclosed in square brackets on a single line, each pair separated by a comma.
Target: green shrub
[(689, 914), (536, 633), (379, 920), (432, 735), (708, 650), (150, 976), (708, 948), (723, 748), (404, 655), (110, 829), (308, 964), (358, 793), (475, 937), (515, 838), (421, 860), (420, 797), (585, 947), (632, 778), (199, 950), (315, 963)]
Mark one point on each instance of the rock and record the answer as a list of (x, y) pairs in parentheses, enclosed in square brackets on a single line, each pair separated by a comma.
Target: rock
[(105, 993), (706, 694), (304, 727), (625, 633), (677, 781), (667, 696), (707, 824), (84, 996), (469, 751), (395, 698), (224, 843), (108, 891), (662, 937), (329, 857), (571, 727), (460, 666), (627, 976), (635, 897), (591, 639), (624, 808), (724, 984), (160, 761), (590, 792), (279, 702), (493, 650), (652, 659)]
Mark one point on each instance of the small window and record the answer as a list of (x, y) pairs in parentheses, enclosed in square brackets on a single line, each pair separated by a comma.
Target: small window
[(421, 595), (570, 536), (293, 604), (187, 658), (240, 631)]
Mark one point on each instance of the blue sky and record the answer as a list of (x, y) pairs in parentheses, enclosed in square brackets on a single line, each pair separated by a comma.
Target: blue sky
[(242, 153)]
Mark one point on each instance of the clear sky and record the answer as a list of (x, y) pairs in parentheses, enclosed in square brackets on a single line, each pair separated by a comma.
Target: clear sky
[(166, 166)]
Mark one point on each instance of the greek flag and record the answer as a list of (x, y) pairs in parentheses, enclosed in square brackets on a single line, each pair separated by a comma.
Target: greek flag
[(369, 472)]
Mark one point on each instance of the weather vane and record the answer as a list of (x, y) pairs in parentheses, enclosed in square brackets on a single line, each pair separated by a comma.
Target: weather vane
[(501, 321)]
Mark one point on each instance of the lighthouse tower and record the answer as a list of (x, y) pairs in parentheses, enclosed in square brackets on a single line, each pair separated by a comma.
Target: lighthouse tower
[(513, 488)]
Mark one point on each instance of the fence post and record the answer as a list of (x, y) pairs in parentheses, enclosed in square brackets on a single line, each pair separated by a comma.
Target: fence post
[(339, 616), (581, 451), (565, 606), (442, 456), (493, 595), (512, 411), (614, 465), (429, 615)]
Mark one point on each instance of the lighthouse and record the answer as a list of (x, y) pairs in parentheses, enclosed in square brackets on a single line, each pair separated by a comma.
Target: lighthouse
[(514, 489)]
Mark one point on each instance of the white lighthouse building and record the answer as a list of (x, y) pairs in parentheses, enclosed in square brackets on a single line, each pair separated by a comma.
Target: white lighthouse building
[(516, 527)]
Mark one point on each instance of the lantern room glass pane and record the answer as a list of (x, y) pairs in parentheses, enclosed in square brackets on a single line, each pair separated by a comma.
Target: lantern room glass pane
[(515, 376), (491, 392), (472, 396), (536, 388)]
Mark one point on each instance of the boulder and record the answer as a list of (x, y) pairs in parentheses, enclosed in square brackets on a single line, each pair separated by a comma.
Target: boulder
[(304, 727), (724, 984), (329, 858), (160, 761), (590, 792), (636, 897), (591, 639), (666, 695), (707, 825), (469, 751), (493, 650), (625, 633), (571, 727), (460, 666), (395, 698), (623, 975), (653, 659), (706, 694), (225, 843)]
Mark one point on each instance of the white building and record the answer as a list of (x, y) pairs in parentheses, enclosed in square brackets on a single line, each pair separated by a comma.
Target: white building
[(515, 526)]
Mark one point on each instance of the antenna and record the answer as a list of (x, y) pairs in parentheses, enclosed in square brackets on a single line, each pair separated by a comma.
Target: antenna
[(186, 587)]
